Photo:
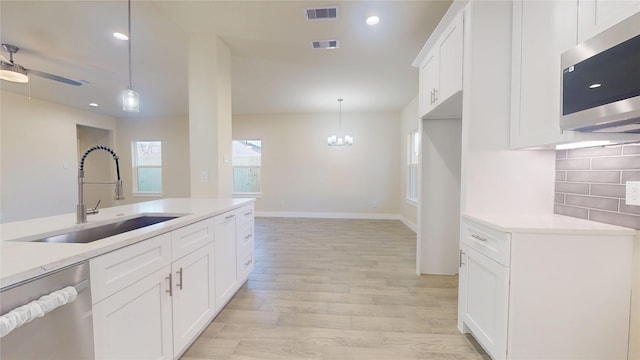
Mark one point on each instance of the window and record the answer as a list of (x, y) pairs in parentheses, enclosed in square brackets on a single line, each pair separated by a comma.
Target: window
[(413, 146), (147, 166), (246, 162)]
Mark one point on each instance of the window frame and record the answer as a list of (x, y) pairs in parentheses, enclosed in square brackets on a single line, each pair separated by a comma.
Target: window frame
[(247, 194), (412, 167), (135, 191)]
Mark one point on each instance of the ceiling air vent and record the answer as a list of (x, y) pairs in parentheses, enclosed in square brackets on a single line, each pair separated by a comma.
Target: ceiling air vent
[(325, 44), (326, 13)]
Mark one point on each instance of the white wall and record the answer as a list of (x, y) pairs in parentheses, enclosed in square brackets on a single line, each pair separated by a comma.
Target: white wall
[(301, 174), (39, 156), (410, 122), (174, 134)]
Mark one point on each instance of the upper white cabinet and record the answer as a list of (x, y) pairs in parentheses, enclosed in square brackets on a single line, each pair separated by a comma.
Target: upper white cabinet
[(542, 31), (441, 74), (597, 15)]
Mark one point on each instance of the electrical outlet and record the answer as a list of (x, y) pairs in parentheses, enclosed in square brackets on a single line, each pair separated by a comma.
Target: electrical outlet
[(633, 193)]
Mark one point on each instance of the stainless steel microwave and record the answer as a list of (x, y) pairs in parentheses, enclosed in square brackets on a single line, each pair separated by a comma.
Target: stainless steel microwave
[(601, 81)]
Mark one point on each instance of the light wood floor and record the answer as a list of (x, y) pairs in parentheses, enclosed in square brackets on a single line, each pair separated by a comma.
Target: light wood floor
[(337, 289)]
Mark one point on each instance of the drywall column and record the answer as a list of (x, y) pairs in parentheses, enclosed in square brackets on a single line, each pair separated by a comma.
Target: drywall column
[(210, 117)]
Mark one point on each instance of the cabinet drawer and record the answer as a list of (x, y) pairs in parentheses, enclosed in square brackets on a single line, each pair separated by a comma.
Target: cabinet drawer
[(114, 271), (245, 236), (488, 241), (191, 237), (245, 214)]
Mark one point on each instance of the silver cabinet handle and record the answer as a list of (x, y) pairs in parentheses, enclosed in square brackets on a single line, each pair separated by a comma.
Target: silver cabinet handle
[(230, 216), (435, 95), (179, 285), (247, 237), (170, 290), (248, 262), (460, 260), (478, 237), (249, 213), (431, 98)]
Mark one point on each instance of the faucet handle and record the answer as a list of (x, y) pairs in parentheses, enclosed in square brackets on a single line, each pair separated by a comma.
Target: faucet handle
[(94, 210)]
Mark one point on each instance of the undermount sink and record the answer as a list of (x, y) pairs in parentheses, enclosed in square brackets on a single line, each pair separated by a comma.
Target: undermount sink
[(104, 231)]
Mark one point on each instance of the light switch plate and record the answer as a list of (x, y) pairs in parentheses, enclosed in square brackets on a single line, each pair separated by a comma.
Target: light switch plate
[(633, 193)]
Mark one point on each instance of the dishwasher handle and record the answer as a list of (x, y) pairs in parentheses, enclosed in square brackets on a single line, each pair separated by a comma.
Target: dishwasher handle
[(39, 308)]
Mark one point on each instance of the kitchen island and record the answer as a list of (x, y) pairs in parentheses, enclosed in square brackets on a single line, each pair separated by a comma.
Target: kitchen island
[(21, 259), (154, 289)]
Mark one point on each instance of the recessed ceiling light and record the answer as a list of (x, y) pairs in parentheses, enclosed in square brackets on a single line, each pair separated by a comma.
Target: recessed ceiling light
[(93, 104), (120, 36), (373, 20)]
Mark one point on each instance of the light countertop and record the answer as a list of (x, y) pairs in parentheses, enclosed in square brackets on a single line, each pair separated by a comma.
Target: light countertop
[(21, 259), (546, 224)]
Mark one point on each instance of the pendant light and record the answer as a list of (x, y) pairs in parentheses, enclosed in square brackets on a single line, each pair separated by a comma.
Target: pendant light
[(340, 140), (130, 98)]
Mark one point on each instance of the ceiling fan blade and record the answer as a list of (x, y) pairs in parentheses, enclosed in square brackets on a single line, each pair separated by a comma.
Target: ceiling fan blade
[(53, 77)]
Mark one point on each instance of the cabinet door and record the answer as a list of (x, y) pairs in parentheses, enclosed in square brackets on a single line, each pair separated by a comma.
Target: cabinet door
[(450, 50), (135, 323), (428, 83), (245, 248), (226, 280), (597, 15), (542, 31), (486, 296), (193, 295)]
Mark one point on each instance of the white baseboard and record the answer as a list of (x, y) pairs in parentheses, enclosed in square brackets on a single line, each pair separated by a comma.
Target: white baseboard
[(409, 224), (327, 215), (332, 215)]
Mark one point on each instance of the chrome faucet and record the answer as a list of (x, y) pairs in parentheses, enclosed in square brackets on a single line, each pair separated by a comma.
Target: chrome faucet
[(81, 211)]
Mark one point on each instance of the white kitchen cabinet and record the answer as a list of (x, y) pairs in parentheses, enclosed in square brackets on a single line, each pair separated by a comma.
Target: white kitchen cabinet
[(135, 322), (545, 293), (193, 295), (176, 301), (441, 74), (597, 15), (226, 279), (245, 244), (542, 31)]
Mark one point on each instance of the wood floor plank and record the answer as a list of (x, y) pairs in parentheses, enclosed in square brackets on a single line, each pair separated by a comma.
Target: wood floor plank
[(337, 289)]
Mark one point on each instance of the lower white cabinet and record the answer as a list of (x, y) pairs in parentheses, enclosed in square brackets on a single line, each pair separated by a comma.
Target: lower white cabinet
[(135, 322), (225, 258), (546, 293), (193, 296)]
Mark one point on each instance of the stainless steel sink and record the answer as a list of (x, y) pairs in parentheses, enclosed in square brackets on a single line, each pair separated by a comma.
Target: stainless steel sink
[(104, 231)]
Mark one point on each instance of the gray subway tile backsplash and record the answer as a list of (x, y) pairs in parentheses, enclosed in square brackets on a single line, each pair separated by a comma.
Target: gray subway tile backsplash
[(615, 162), (573, 164), (600, 176), (593, 152), (614, 191), (590, 184), (572, 188)]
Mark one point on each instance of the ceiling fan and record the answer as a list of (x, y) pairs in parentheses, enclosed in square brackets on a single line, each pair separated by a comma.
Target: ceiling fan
[(11, 71)]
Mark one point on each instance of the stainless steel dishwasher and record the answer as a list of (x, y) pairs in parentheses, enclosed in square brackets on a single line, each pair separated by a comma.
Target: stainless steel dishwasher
[(64, 333)]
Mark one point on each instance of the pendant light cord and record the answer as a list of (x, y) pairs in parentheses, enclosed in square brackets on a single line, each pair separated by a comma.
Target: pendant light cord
[(340, 112), (130, 82)]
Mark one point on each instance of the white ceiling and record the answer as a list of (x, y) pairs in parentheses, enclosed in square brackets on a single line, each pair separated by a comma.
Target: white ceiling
[(274, 68)]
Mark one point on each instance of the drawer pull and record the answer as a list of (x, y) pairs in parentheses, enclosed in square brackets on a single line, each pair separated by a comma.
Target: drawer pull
[(179, 272), (478, 237), (249, 213), (229, 217), (248, 262), (247, 237), (170, 290), (460, 261)]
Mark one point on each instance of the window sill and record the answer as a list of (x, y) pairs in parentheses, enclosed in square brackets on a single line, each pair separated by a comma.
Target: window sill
[(247, 195), (147, 194), (412, 202)]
